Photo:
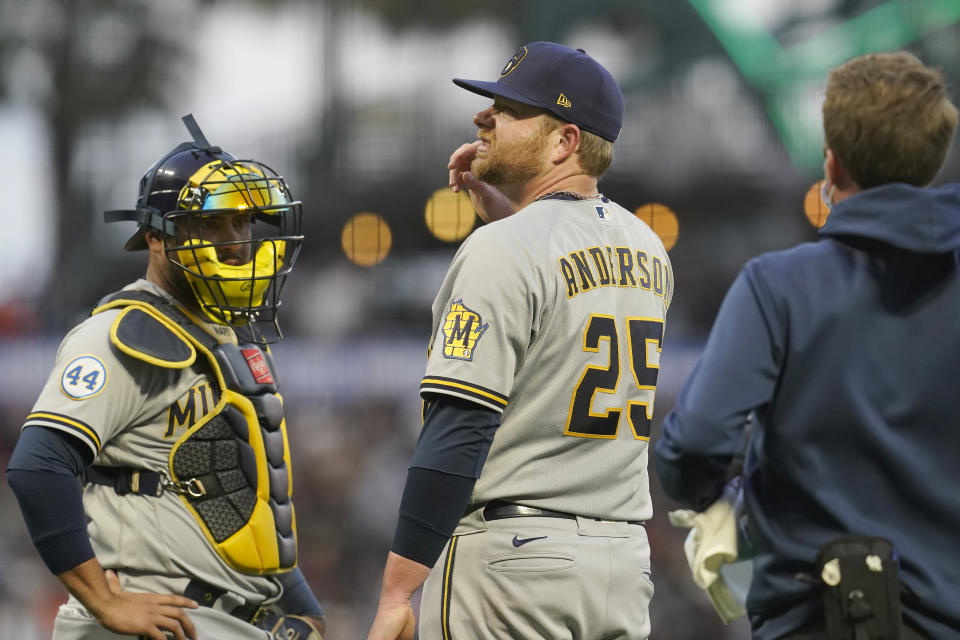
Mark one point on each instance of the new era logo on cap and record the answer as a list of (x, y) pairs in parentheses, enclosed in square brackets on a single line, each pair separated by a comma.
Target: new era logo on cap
[(567, 82)]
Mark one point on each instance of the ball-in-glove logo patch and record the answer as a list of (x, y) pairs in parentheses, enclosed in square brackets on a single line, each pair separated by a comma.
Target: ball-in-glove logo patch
[(514, 61), (462, 329)]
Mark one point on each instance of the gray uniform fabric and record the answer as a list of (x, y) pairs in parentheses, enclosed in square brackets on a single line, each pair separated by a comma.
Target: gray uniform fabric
[(74, 622), (553, 317), (131, 413), (535, 578)]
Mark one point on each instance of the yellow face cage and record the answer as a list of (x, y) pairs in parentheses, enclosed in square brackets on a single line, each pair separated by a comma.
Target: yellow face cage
[(237, 235)]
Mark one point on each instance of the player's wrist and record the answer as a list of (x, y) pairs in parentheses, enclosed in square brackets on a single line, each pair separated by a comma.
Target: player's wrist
[(100, 606), (87, 583), (401, 579)]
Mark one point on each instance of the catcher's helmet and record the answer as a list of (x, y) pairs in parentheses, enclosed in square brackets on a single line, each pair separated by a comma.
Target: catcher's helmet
[(196, 190)]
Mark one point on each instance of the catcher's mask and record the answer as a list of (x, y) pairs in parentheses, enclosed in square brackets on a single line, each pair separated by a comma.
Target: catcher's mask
[(230, 225)]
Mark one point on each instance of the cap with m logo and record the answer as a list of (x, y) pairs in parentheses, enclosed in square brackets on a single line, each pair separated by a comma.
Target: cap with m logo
[(564, 81)]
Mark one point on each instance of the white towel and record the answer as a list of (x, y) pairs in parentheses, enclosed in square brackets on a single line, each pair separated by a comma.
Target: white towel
[(711, 544)]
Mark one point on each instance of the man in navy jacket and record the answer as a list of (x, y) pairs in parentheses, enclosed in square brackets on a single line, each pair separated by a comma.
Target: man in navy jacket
[(848, 352)]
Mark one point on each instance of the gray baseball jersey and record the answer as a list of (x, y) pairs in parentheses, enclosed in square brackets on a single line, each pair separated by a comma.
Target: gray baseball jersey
[(130, 413), (555, 317)]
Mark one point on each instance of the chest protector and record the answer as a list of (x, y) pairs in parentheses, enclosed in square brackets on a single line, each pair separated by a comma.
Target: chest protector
[(231, 468)]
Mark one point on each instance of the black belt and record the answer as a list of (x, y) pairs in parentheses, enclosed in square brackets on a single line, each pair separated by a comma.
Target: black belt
[(268, 618), (498, 510), (206, 595)]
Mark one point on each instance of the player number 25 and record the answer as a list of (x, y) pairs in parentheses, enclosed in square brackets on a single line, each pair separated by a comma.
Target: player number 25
[(642, 333)]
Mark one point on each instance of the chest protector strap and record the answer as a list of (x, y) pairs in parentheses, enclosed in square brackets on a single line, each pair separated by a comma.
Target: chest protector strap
[(233, 466)]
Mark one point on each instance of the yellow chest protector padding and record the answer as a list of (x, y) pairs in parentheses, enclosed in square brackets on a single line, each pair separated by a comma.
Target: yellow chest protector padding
[(243, 474), (236, 460)]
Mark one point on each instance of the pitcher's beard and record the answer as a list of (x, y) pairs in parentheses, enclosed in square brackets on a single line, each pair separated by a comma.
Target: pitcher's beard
[(514, 163)]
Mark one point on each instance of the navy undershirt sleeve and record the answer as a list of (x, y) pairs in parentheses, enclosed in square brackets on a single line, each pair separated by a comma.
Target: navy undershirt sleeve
[(433, 503), (42, 473), (455, 437), (298, 598), (450, 453), (43, 449)]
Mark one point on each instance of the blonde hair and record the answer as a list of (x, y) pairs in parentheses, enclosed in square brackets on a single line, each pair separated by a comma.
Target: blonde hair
[(596, 153), (888, 118)]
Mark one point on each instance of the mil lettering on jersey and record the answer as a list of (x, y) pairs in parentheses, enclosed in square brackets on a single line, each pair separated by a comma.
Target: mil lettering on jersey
[(258, 365), (185, 412), (595, 267), (462, 329), (83, 377)]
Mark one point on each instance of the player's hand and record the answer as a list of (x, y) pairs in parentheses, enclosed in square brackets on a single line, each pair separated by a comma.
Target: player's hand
[(147, 615), (460, 161), (487, 200), (393, 622)]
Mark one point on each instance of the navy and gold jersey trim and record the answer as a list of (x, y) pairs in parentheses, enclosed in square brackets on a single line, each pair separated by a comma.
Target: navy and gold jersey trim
[(451, 386), (447, 587), (70, 425)]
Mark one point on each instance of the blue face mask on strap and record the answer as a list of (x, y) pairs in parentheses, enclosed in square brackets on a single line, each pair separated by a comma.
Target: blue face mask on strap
[(827, 195)]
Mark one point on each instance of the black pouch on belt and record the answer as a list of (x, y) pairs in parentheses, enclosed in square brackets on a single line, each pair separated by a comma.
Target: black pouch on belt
[(861, 589)]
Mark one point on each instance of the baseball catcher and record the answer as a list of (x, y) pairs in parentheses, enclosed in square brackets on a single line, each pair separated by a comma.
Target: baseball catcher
[(153, 472)]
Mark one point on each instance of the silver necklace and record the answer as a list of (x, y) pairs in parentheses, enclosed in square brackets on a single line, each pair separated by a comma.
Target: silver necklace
[(554, 195)]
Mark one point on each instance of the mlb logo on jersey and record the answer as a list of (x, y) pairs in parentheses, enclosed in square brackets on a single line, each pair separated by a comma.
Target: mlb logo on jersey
[(462, 329), (602, 212)]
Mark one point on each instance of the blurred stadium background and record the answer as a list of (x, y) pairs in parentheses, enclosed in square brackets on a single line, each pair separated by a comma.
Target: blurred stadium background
[(352, 101)]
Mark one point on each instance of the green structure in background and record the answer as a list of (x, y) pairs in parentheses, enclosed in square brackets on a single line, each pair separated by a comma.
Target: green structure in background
[(791, 77)]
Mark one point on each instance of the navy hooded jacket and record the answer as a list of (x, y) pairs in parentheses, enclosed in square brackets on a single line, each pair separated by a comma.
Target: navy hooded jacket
[(848, 350)]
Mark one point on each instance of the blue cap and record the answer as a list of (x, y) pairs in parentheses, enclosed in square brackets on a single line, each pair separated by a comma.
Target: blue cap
[(567, 82)]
